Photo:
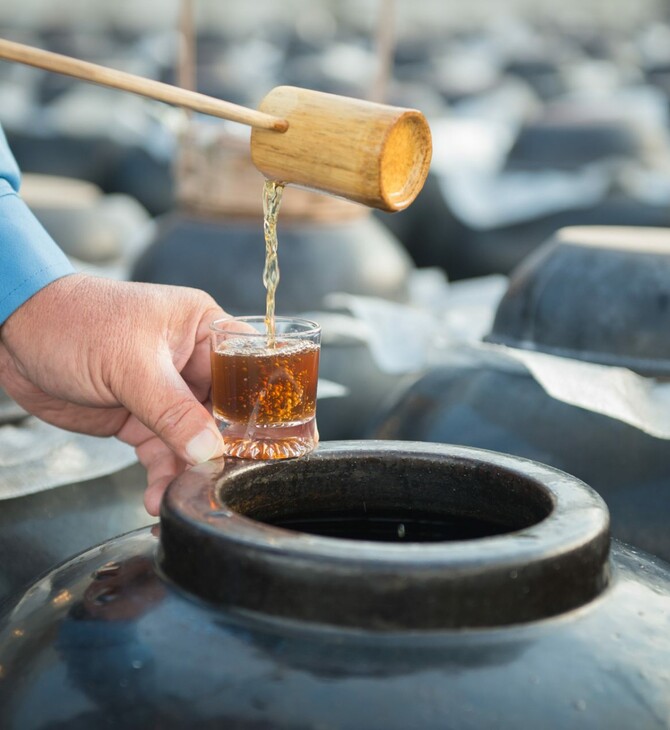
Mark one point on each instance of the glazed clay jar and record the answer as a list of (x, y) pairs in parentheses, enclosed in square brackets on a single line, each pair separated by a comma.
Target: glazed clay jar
[(367, 585), (594, 293), (214, 240)]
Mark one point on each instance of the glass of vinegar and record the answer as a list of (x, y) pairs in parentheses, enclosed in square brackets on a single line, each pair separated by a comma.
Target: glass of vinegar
[(264, 386)]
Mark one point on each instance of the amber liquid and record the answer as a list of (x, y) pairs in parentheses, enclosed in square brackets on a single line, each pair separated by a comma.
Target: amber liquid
[(265, 396), (265, 386), (272, 195)]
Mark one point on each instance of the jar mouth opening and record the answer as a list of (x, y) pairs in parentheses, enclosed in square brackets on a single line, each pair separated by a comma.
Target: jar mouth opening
[(387, 535), (389, 501)]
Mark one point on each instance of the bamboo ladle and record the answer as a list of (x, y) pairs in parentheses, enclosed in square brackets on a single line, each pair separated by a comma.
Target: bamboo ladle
[(370, 153)]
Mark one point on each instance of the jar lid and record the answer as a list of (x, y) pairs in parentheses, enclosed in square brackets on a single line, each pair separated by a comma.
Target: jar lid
[(594, 293)]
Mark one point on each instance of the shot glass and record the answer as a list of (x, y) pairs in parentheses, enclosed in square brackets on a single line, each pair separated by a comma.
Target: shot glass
[(264, 388)]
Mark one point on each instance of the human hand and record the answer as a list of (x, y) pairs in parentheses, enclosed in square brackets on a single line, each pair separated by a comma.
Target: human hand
[(117, 358)]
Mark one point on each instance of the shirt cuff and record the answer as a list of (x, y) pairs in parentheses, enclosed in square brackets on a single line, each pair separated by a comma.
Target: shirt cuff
[(29, 258)]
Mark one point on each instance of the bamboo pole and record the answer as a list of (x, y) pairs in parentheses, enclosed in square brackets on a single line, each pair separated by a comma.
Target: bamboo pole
[(385, 48), (115, 79), (186, 64)]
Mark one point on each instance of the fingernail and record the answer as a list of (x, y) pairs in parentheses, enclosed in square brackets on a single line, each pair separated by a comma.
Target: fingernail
[(205, 446)]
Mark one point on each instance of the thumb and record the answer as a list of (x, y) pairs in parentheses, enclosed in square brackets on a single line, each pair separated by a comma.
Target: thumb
[(163, 402)]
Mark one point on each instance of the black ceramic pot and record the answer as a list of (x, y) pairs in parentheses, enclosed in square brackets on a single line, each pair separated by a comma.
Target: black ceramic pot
[(82, 158), (502, 249), (38, 531), (593, 294), (367, 585), (434, 235), (505, 411), (225, 257), (600, 294), (145, 176), (429, 230), (555, 143), (114, 166), (658, 74), (542, 74), (568, 138)]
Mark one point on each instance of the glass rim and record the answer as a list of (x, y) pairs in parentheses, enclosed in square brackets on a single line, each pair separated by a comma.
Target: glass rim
[(311, 327)]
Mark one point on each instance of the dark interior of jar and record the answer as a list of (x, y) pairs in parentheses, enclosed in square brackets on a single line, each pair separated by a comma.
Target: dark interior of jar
[(389, 498)]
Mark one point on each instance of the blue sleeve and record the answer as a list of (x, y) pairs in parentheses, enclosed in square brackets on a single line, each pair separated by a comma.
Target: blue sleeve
[(29, 258)]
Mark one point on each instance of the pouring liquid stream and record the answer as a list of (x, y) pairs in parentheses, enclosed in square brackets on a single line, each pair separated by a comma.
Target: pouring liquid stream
[(272, 196)]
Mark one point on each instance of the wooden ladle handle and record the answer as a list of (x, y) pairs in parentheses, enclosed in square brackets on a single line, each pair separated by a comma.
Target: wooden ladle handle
[(113, 78)]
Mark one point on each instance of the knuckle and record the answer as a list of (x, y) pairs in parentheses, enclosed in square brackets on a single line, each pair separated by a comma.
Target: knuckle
[(173, 415)]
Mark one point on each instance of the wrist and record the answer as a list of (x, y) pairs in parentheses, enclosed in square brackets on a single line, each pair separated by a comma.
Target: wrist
[(41, 305)]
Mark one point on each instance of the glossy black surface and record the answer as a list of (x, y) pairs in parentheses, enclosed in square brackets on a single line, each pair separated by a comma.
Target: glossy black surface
[(604, 304), (400, 526), (106, 641), (599, 295), (38, 531), (489, 408)]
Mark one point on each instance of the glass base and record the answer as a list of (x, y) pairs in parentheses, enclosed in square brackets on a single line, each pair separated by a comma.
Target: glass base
[(268, 442)]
